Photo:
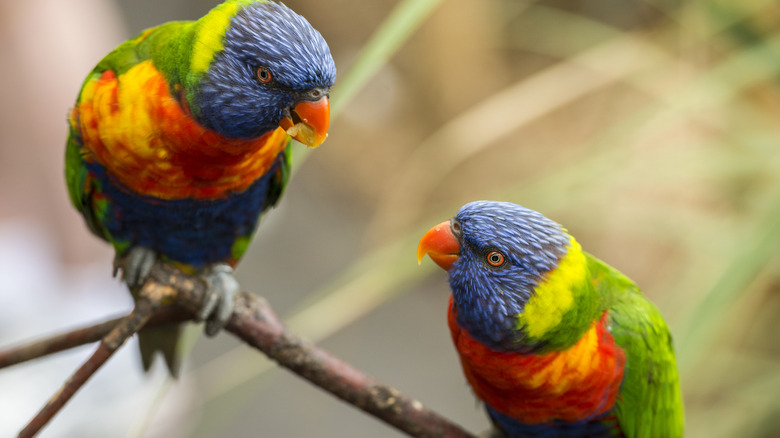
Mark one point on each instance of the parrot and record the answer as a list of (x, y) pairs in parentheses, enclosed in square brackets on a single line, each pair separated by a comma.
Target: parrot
[(553, 341), (179, 141)]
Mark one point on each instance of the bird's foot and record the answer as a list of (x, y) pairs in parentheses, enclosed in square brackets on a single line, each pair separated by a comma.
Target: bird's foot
[(135, 265), (222, 287), (221, 291)]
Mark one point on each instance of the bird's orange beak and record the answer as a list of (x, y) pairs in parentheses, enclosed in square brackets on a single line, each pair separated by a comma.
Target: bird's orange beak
[(441, 245), (308, 122)]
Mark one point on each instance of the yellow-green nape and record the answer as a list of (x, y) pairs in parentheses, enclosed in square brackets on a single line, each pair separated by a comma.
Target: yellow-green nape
[(556, 294), (210, 33)]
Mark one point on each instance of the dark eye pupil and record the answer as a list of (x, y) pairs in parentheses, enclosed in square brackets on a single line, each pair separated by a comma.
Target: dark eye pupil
[(263, 74), (495, 258)]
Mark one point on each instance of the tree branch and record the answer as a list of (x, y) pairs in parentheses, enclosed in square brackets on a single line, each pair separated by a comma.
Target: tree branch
[(259, 327), (255, 323), (150, 299), (81, 336)]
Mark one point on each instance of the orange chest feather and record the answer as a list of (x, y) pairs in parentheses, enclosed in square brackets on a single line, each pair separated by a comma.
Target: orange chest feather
[(133, 126), (572, 385)]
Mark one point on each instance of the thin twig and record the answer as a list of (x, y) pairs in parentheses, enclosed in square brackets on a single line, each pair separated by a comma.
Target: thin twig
[(80, 336), (57, 343), (151, 297)]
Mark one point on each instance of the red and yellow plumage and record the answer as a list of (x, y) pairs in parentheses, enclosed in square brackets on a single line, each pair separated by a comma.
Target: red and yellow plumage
[(571, 385), (145, 138)]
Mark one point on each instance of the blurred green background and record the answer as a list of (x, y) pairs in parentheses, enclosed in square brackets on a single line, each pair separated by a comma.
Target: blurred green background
[(649, 129)]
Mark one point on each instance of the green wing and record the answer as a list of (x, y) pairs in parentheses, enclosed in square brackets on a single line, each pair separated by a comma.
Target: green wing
[(649, 404), (76, 178), (150, 44), (279, 180)]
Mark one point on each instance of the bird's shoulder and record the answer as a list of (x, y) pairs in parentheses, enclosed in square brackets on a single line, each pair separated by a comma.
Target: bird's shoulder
[(143, 47)]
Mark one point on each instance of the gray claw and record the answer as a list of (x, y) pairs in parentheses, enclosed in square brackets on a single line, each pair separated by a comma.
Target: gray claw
[(210, 302), (135, 265), (219, 304)]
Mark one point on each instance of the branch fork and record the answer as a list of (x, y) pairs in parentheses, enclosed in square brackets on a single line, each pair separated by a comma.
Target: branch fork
[(171, 296)]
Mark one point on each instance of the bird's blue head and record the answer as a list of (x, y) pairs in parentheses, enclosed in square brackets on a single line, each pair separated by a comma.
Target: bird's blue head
[(501, 257), (258, 66)]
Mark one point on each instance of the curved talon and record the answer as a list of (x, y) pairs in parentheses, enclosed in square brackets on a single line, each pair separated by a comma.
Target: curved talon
[(219, 304), (210, 302), (135, 265)]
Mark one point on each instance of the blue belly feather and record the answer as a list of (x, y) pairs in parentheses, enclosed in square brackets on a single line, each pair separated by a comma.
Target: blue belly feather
[(195, 232), (603, 426)]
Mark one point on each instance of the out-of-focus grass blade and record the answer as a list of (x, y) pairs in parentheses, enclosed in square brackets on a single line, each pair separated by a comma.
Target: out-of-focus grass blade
[(403, 20), (532, 32), (527, 100), (755, 251)]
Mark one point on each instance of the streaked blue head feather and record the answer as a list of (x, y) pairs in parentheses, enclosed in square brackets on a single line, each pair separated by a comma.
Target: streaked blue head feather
[(231, 99), (489, 298)]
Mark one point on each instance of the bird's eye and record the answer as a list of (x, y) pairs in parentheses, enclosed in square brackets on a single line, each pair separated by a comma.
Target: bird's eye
[(495, 258), (264, 74)]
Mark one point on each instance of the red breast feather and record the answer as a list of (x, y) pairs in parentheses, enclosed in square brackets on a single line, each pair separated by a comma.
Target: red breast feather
[(576, 384)]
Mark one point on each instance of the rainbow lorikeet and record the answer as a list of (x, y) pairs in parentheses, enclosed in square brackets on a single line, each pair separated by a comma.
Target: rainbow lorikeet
[(179, 141), (555, 342)]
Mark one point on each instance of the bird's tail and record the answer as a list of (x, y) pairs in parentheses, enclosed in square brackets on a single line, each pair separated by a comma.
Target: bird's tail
[(167, 340)]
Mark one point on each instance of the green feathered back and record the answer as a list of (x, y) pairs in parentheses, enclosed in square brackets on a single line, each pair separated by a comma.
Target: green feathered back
[(649, 404)]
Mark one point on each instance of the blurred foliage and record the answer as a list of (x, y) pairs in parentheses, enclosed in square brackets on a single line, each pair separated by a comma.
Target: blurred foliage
[(648, 128)]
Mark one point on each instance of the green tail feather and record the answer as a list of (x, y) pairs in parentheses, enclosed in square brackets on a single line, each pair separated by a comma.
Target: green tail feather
[(165, 339)]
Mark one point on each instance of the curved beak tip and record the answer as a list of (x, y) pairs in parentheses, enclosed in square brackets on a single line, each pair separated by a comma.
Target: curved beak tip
[(441, 245), (309, 123), (421, 251)]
